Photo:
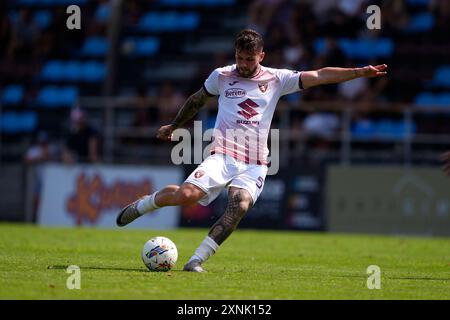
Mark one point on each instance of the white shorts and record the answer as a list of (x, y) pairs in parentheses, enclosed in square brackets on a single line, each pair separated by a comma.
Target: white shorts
[(219, 171)]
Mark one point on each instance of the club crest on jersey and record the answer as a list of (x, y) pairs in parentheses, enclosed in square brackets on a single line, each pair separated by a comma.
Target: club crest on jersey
[(199, 174), (263, 86)]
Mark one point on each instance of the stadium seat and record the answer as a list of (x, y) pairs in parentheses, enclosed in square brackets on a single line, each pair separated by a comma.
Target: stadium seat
[(18, 122), (192, 3), (95, 47), (72, 71), (360, 48), (146, 46), (93, 71), (421, 3), (420, 22), (424, 99), (103, 12), (169, 21), (52, 96), (43, 18), (50, 2), (12, 94), (363, 129), (442, 77), (53, 71)]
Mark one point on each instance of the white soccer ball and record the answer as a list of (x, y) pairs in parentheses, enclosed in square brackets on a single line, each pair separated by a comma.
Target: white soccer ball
[(159, 254)]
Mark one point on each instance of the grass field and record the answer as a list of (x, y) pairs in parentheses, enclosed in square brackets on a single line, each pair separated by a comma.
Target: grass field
[(249, 265)]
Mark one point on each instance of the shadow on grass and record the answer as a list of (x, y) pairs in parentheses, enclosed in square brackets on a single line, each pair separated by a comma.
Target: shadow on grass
[(64, 267)]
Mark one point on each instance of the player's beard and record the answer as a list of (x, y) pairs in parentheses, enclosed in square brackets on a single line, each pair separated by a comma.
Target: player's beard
[(247, 73)]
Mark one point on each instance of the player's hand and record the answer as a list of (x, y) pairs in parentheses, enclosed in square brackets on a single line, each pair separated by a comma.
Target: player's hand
[(165, 132), (445, 157), (373, 71)]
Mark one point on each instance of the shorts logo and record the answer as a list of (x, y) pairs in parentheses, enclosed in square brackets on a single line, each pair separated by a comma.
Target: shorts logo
[(199, 174), (263, 86), (235, 93)]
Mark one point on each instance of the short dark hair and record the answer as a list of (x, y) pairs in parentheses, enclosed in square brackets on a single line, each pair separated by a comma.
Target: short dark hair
[(249, 40)]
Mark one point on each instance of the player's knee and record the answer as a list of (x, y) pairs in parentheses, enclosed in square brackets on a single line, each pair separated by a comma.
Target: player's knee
[(187, 196), (245, 202)]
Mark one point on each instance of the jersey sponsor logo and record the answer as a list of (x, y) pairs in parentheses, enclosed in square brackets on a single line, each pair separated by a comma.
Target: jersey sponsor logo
[(247, 122), (248, 108), (235, 93), (233, 83), (199, 174), (263, 86)]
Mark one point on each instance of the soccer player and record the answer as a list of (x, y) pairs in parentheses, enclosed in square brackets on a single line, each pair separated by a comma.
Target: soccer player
[(248, 94)]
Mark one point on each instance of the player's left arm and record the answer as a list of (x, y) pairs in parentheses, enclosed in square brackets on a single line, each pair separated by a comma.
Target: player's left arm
[(336, 75)]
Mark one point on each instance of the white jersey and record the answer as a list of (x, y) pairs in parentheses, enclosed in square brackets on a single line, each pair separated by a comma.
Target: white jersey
[(246, 107)]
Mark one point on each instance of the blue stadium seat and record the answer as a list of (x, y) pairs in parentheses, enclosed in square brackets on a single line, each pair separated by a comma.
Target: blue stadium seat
[(12, 94), (360, 48), (424, 99), (363, 129), (43, 18), (420, 22), (93, 71), (169, 21), (53, 71), (103, 12), (422, 3), (146, 46), (442, 77), (189, 21), (443, 99), (72, 70), (50, 2), (52, 96), (95, 47), (18, 122), (191, 3)]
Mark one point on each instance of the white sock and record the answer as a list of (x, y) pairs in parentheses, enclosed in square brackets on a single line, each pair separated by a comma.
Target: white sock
[(147, 204), (206, 249)]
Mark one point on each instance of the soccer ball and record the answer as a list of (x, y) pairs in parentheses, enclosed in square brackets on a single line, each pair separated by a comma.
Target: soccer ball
[(159, 254)]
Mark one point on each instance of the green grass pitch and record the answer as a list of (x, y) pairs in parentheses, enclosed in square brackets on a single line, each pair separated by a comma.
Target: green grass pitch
[(249, 265)]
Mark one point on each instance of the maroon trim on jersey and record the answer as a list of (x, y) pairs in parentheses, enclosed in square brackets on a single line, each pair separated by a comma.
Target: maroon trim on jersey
[(300, 83)]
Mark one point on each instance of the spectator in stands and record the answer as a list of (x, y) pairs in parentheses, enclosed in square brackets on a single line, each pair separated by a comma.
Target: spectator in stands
[(42, 151), (319, 130), (83, 141), (169, 101), (145, 114), (262, 13)]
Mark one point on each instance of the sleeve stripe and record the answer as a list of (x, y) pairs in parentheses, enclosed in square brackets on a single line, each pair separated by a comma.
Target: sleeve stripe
[(207, 93), (300, 83)]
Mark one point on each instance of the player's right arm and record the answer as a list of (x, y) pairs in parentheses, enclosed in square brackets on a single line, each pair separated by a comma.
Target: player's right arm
[(445, 158), (186, 113)]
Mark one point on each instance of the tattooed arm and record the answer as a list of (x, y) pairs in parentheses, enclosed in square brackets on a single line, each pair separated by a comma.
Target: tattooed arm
[(186, 113)]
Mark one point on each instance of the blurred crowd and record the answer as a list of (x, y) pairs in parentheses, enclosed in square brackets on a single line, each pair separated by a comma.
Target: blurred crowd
[(291, 29)]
